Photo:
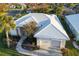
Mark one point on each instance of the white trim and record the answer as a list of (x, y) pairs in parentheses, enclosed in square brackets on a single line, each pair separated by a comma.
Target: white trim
[(62, 44)]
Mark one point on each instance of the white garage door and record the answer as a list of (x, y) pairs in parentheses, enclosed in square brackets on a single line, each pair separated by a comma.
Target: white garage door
[(55, 44), (47, 44), (44, 44)]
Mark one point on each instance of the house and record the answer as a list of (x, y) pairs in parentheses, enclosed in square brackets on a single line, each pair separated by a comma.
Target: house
[(50, 34), (12, 6), (17, 6), (73, 22), (76, 8)]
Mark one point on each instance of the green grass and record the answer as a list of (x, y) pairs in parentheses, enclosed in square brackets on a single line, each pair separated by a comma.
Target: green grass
[(8, 52), (2, 13), (4, 51), (71, 50)]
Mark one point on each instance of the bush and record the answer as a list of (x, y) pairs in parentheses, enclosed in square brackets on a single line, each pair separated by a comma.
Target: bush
[(69, 52), (65, 51)]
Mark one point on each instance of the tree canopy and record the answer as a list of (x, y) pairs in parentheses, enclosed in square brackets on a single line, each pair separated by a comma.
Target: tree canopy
[(6, 23), (57, 8), (4, 7), (30, 28)]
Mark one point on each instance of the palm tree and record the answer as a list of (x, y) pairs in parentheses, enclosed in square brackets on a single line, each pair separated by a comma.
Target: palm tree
[(6, 24)]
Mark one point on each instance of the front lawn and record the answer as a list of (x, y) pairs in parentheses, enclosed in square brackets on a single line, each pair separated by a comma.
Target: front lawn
[(71, 50), (8, 52), (4, 51)]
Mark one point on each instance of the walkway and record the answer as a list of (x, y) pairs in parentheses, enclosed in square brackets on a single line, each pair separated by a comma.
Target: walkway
[(20, 49), (40, 52), (75, 45)]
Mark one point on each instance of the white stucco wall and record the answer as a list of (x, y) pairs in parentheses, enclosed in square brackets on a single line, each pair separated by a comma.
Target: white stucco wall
[(63, 43), (14, 32)]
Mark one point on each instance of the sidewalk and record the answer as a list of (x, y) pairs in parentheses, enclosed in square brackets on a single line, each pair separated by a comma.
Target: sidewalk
[(75, 45)]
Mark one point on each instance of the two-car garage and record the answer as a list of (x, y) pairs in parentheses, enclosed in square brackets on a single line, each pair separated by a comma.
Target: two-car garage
[(48, 44)]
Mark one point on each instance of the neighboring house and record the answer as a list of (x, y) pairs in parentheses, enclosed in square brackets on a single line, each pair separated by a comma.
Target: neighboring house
[(29, 11), (12, 6), (73, 22), (18, 6), (50, 34), (76, 8)]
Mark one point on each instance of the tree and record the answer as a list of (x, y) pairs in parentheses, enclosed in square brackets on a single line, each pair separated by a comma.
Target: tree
[(71, 5), (6, 24), (4, 7), (38, 8), (41, 10), (30, 29), (57, 9)]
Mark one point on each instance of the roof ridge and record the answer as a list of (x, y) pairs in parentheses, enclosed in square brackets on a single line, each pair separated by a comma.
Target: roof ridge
[(61, 27)]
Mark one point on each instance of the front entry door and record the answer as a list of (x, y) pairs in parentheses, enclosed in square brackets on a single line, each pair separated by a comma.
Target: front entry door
[(23, 33)]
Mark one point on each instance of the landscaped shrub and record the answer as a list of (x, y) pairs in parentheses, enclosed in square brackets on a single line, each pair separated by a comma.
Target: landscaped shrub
[(65, 51), (70, 52)]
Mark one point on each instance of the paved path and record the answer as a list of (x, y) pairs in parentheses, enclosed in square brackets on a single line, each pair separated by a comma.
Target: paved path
[(40, 52), (75, 45), (20, 49)]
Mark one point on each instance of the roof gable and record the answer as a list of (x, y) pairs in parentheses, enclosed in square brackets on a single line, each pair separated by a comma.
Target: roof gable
[(55, 22), (50, 32)]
